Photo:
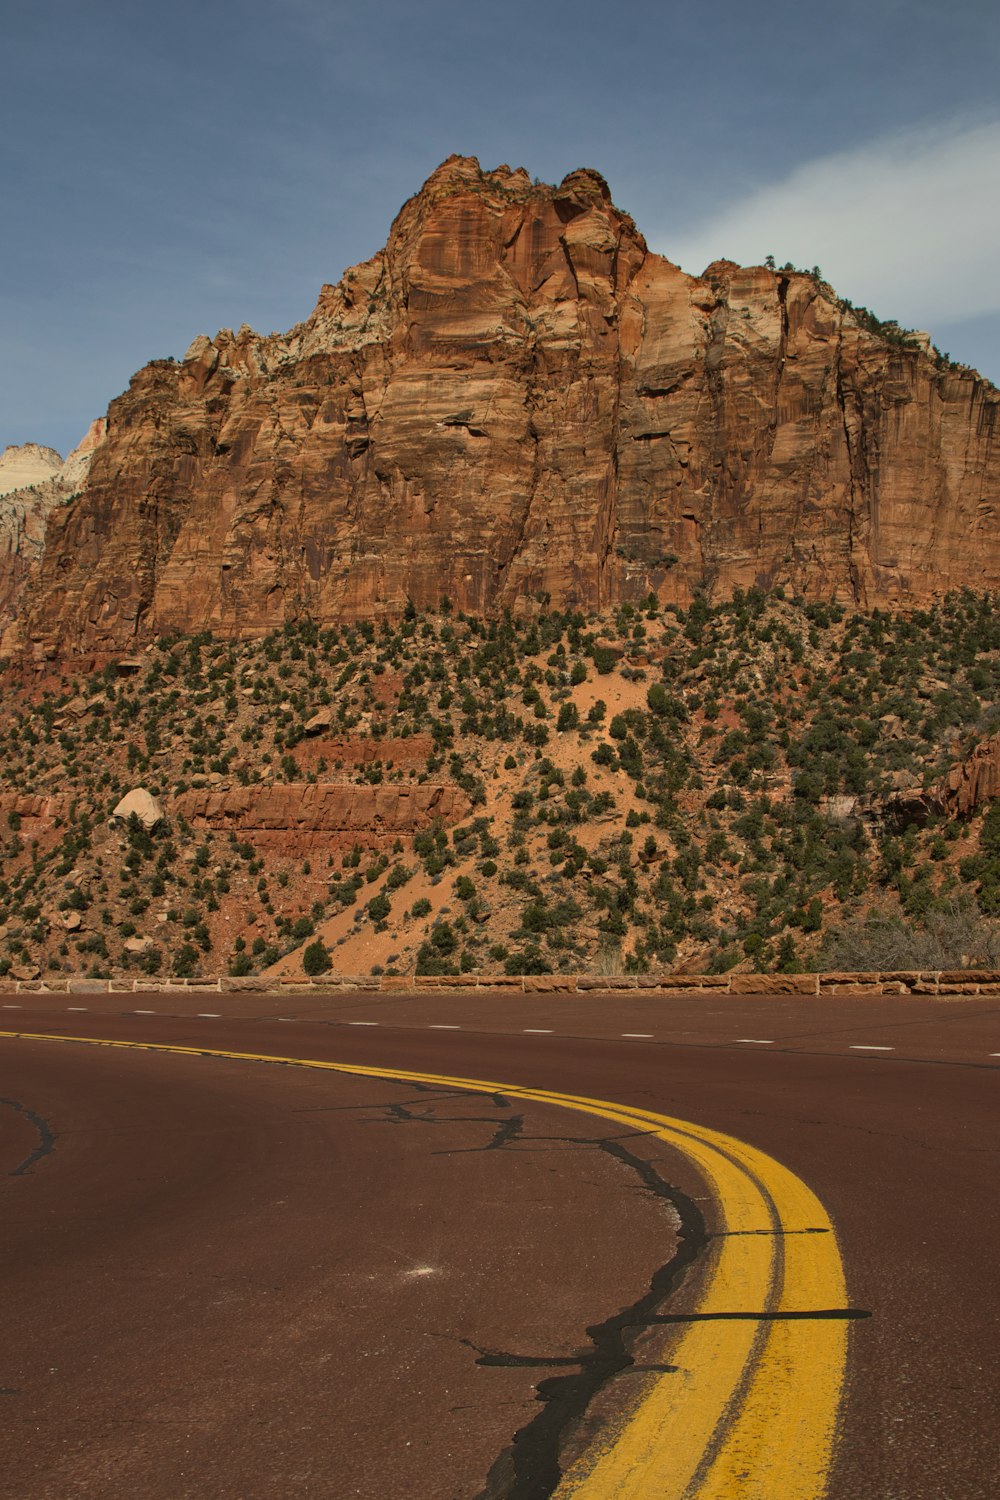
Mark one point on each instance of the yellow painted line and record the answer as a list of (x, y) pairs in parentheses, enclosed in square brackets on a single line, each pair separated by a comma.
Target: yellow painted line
[(749, 1410)]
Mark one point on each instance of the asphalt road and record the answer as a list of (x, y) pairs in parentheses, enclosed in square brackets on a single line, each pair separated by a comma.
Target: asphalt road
[(229, 1279)]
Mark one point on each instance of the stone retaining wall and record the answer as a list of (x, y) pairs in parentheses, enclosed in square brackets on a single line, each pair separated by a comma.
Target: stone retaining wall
[(923, 982)]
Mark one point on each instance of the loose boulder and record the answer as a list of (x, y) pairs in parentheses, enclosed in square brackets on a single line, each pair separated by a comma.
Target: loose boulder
[(147, 809), (320, 722)]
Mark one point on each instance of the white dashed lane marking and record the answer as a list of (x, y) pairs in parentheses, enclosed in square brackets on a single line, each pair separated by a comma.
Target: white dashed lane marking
[(353, 1023), (12, 1007), (442, 1026), (144, 1012), (208, 1015), (869, 1047), (538, 1031), (756, 1041), (76, 1007), (638, 1036)]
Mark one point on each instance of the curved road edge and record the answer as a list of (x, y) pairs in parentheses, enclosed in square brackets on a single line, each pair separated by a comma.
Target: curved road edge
[(750, 1405)]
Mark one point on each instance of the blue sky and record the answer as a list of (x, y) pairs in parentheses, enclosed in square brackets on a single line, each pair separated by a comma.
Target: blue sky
[(169, 169)]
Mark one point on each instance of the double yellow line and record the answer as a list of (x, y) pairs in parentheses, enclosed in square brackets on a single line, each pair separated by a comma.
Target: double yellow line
[(749, 1408)]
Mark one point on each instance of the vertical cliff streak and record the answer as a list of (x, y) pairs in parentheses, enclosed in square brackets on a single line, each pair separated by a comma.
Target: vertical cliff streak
[(855, 573), (717, 492)]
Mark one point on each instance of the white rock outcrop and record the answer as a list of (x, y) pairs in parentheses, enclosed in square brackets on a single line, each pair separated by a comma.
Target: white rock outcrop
[(27, 464), (146, 807)]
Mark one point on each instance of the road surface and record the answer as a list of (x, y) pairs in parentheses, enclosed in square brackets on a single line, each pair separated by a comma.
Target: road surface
[(226, 1278)]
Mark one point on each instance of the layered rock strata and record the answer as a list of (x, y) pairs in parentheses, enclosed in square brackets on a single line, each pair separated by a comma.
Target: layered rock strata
[(331, 813), (334, 814), (515, 400)]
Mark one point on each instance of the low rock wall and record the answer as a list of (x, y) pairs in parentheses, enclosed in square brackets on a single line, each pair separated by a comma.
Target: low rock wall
[(922, 982)]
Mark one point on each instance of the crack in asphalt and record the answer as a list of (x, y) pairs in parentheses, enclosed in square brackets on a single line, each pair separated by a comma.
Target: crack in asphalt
[(504, 1132), (531, 1467), (46, 1137)]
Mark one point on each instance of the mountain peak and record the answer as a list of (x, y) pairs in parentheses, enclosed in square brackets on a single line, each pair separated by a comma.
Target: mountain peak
[(25, 464), (513, 403)]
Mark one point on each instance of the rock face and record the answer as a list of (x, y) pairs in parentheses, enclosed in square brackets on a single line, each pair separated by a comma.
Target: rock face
[(974, 781), (516, 399), (963, 790), (25, 465), (334, 814), (40, 810), (33, 481)]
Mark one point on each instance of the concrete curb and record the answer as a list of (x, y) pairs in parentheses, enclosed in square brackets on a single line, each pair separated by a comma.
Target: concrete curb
[(910, 982)]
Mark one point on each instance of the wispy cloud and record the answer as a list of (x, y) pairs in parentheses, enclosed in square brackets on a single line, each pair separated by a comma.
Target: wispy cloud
[(908, 224)]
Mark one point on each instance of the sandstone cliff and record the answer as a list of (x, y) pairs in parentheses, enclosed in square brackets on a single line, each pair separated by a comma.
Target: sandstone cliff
[(334, 815), (33, 481), (516, 398), (967, 787)]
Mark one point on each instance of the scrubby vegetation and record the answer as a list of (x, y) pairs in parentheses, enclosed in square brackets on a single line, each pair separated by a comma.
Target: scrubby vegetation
[(701, 786)]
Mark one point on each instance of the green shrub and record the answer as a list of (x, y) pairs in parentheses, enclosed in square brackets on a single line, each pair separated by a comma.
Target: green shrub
[(656, 698), (379, 907), (316, 959), (443, 938), (529, 961), (185, 961), (430, 961)]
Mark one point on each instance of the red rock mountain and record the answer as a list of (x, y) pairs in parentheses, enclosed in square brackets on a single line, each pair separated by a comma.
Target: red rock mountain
[(516, 398)]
